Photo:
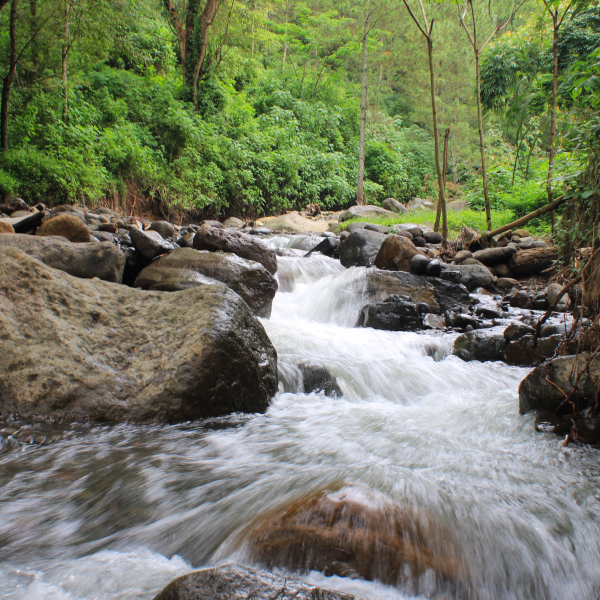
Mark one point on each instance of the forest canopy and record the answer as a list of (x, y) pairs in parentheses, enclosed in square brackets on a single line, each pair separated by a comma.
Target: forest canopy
[(253, 107)]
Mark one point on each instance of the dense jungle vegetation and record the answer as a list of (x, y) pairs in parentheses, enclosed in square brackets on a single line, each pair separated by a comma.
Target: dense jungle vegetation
[(253, 107)]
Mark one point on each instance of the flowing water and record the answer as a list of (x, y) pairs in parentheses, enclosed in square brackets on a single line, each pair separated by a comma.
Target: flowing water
[(117, 512)]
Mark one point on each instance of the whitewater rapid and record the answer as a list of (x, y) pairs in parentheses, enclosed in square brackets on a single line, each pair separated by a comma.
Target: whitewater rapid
[(119, 511)]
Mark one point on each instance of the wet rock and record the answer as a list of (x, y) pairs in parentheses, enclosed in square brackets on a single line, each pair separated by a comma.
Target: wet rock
[(506, 283), (435, 268), (537, 393), (95, 351), (431, 321), (365, 530), (212, 238), (462, 321), (471, 276), (489, 311), (328, 246), (516, 331), (394, 314), (418, 264), (393, 205), (483, 345), (187, 240), (360, 248), (395, 254), (367, 211), (562, 303), (234, 222), (236, 582), (491, 256), (521, 352), (102, 260), (521, 299), (441, 296), (461, 256), (165, 229), (316, 378), (185, 268), (149, 244)]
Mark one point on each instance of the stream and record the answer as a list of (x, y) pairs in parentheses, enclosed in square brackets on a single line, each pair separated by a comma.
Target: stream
[(117, 512)]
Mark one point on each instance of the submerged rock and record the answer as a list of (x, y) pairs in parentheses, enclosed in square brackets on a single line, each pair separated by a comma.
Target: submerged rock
[(74, 349), (187, 268), (210, 237), (236, 582), (102, 260), (366, 532), (316, 378)]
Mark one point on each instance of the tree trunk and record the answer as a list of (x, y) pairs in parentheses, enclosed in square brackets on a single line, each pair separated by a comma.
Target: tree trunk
[(532, 261), (10, 76), (549, 191), (206, 20), (65, 54), (3, 3), (441, 207), (445, 171), (486, 195), (360, 185)]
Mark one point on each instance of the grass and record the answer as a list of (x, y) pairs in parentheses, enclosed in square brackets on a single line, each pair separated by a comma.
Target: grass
[(456, 220)]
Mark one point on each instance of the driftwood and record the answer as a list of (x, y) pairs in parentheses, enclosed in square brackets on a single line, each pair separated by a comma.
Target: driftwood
[(532, 261), (533, 215)]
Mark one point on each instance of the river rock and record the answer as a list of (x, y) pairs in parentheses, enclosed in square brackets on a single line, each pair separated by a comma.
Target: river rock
[(393, 205), (66, 225), (516, 331), (6, 227), (316, 379), (294, 222), (234, 222), (521, 352), (394, 314), (165, 229), (461, 256), (457, 205), (368, 211), (481, 345), (212, 238), (149, 244), (562, 303), (471, 276), (418, 264), (536, 392), (102, 260), (441, 296), (328, 246), (420, 204), (491, 256), (395, 253), (364, 531), (236, 582), (186, 268), (506, 283), (360, 248), (432, 237), (75, 349)]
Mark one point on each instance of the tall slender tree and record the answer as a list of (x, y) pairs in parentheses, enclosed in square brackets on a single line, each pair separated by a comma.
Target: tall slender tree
[(465, 9), (426, 29), (10, 75)]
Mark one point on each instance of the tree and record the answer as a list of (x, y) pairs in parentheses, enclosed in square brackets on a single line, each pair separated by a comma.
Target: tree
[(426, 29), (360, 184), (465, 7), (10, 76)]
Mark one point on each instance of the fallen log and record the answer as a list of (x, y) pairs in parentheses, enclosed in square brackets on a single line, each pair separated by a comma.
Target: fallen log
[(533, 215), (532, 261)]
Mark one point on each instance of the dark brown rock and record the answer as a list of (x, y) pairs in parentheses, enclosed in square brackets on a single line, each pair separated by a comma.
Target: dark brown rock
[(395, 253), (68, 226)]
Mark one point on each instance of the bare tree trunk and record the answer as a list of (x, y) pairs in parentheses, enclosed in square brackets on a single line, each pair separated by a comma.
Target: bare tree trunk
[(360, 184), (3, 3), (65, 54), (445, 171), (441, 207), (181, 32), (549, 190), (486, 194), (10, 76), (206, 20), (284, 57)]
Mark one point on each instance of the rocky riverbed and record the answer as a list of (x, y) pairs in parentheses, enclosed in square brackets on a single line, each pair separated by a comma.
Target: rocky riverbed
[(342, 409)]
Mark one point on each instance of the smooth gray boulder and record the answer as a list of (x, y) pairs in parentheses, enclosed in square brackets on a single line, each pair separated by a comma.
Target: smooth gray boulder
[(81, 350), (185, 268), (216, 237), (149, 244), (490, 256), (165, 229), (102, 260), (471, 276), (368, 210), (236, 582), (545, 387), (482, 345), (395, 206), (360, 248)]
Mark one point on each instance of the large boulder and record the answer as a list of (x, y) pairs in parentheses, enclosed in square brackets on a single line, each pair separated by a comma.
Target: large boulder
[(395, 253), (149, 244), (103, 260), (394, 314), (294, 221), (441, 296), (367, 211), (358, 530), (66, 225), (74, 349), (185, 268), (212, 238), (395, 206), (545, 387), (491, 256), (360, 248), (420, 204), (236, 582), (483, 345), (471, 276)]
